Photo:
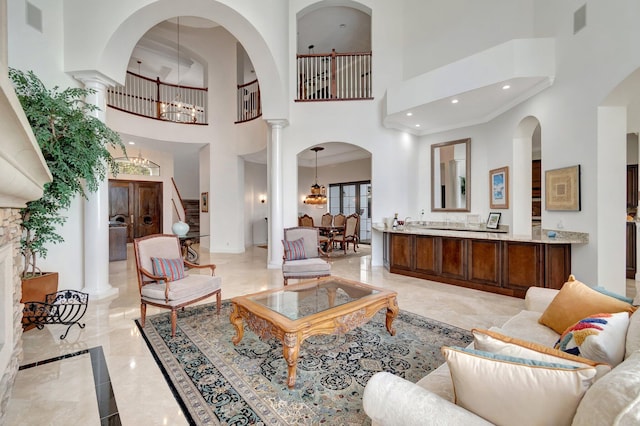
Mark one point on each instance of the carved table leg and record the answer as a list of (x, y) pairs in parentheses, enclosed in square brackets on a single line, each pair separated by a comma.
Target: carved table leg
[(290, 351), (392, 313), (236, 320)]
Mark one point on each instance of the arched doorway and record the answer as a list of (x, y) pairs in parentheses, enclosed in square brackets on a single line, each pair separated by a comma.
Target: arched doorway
[(344, 170)]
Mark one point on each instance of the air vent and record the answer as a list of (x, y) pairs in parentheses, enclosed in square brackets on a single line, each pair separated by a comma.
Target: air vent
[(580, 19), (34, 17)]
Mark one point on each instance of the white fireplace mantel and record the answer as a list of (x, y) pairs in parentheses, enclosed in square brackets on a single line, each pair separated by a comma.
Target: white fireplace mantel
[(23, 170)]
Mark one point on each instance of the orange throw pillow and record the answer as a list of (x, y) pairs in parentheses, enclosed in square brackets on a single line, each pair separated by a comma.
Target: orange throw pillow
[(577, 300)]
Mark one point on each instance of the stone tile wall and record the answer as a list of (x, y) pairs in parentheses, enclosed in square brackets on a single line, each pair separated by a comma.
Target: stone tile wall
[(10, 232)]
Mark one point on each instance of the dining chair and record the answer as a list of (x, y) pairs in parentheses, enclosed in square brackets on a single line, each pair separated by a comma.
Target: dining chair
[(327, 219), (305, 220), (302, 254), (338, 222), (163, 280), (350, 233)]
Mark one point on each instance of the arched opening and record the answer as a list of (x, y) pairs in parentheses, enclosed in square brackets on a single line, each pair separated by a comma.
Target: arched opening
[(526, 148), (344, 170)]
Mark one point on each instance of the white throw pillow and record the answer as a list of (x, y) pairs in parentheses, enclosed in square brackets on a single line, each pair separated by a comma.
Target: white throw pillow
[(491, 341), (598, 337), (516, 391)]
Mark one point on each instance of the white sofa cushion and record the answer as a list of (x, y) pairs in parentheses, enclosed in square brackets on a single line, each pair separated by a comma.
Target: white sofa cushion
[(524, 325), (516, 391), (633, 334), (614, 399)]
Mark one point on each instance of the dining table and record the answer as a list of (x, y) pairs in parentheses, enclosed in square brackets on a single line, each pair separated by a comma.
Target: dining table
[(329, 231)]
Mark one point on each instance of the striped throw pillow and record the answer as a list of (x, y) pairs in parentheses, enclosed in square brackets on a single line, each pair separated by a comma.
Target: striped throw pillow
[(294, 250), (170, 268)]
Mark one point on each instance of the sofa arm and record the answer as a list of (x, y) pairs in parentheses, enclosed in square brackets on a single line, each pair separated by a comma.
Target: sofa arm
[(537, 298), (390, 400)]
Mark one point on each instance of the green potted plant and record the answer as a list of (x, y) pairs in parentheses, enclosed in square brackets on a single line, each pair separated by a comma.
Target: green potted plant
[(74, 145)]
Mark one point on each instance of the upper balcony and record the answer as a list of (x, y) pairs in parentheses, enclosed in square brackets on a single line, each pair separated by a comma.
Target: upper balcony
[(333, 76)]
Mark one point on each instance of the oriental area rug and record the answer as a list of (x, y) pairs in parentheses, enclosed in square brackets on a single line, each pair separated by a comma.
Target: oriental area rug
[(219, 383)]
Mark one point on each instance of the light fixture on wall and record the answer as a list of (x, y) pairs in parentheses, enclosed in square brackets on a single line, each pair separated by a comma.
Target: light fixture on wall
[(318, 193), (262, 198), (177, 110)]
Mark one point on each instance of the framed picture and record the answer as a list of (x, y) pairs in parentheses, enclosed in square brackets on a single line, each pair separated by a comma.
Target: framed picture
[(493, 221), (562, 189), (204, 202), (499, 186)]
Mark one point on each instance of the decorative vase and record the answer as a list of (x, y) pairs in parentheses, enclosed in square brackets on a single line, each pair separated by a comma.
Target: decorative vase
[(180, 228)]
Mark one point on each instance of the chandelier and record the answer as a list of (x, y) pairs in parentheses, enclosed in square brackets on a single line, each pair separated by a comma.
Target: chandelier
[(177, 110), (139, 161), (318, 193)]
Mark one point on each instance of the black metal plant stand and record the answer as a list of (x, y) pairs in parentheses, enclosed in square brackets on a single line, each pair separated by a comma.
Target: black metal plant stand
[(64, 307)]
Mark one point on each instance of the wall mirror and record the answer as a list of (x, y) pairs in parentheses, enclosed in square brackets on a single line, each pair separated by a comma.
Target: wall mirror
[(451, 176)]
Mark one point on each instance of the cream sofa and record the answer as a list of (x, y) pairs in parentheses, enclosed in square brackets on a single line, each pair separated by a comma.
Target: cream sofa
[(390, 400)]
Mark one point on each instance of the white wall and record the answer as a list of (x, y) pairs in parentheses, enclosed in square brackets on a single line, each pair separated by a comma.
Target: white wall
[(255, 183)]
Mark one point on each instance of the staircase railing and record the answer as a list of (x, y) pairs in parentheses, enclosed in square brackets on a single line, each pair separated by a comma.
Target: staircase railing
[(150, 98), (179, 210), (334, 76), (248, 101)]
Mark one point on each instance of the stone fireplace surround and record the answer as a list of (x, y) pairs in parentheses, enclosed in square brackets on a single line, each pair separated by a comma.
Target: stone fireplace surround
[(23, 174)]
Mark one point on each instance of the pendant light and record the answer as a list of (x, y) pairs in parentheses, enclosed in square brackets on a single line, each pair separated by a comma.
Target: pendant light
[(318, 194)]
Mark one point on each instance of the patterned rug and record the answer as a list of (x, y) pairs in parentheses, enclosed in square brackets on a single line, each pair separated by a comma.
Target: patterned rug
[(219, 383)]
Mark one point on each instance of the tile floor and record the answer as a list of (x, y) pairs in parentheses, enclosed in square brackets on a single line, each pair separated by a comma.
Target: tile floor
[(104, 374)]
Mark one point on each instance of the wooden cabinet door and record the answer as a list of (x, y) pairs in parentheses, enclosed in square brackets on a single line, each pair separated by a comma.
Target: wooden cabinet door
[(632, 185), (427, 254), (631, 250), (453, 258), (484, 261), (557, 265), (402, 251), (523, 266)]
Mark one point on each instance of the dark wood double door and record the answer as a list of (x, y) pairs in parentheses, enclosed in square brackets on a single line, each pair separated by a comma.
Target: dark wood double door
[(136, 204)]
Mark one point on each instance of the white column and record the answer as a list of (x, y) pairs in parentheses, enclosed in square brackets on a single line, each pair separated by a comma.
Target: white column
[(274, 189), (96, 209)]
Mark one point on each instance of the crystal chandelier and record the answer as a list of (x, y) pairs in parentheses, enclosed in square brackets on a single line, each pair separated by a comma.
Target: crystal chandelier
[(139, 161), (318, 193), (177, 110)]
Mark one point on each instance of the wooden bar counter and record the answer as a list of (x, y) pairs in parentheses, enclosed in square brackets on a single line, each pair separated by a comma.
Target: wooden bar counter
[(478, 258)]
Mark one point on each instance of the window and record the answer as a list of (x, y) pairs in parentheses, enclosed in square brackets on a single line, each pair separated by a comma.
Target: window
[(353, 197)]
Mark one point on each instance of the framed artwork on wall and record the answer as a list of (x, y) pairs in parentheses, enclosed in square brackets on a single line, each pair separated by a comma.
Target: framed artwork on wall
[(493, 221), (204, 202), (499, 187), (562, 189)]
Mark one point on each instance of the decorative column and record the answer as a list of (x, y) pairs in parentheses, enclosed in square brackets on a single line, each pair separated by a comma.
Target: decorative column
[(274, 188), (96, 208)]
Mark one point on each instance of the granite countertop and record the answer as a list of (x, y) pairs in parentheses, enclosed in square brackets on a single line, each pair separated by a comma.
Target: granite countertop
[(479, 232)]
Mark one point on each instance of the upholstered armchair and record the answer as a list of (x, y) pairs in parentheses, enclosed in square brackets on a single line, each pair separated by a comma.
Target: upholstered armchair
[(302, 254), (163, 281)]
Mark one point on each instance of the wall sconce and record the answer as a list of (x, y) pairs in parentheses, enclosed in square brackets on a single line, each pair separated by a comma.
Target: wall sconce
[(262, 198)]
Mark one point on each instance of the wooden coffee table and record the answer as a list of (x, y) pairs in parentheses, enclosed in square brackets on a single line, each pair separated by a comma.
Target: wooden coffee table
[(327, 306)]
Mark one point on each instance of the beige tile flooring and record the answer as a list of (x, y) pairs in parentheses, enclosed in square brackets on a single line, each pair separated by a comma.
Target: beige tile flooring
[(63, 392)]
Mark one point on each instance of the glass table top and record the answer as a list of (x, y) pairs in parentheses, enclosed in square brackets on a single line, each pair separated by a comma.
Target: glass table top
[(298, 301)]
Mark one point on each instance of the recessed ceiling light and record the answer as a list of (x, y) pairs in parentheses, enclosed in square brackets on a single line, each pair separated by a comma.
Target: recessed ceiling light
[(409, 114), (417, 125), (343, 25), (131, 143), (506, 86), (454, 101)]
